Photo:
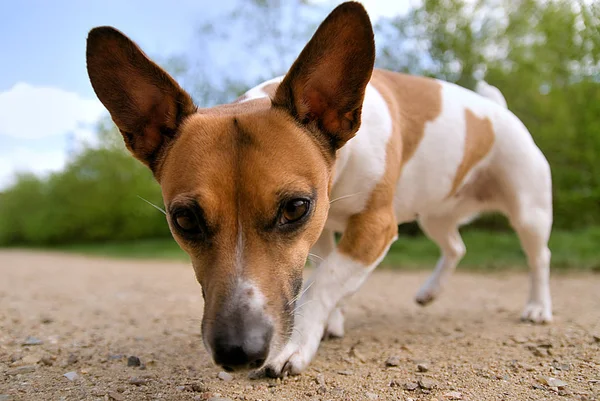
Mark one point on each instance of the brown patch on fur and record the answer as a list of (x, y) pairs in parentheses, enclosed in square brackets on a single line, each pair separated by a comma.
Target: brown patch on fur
[(479, 140), (412, 102)]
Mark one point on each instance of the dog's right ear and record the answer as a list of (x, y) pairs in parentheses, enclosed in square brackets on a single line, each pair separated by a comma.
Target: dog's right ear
[(146, 104)]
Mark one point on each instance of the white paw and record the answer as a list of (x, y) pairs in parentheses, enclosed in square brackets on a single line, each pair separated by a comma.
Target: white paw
[(537, 312), (291, 361), (335, 324), (428, 292)]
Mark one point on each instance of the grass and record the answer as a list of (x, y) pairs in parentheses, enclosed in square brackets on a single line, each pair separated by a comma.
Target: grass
[(579, 250)]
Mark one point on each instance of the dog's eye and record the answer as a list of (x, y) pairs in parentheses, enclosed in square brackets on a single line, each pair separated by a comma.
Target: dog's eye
[(294, 210), (186, 221)]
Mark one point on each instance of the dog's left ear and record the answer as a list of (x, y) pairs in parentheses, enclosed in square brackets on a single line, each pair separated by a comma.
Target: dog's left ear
[(325, 87)]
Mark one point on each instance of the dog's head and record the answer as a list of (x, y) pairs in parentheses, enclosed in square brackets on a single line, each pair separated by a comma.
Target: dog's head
[(245, 185)]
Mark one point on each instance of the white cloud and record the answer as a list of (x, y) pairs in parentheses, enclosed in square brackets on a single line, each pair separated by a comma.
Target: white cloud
[(29, 114), (23, 159), (32, 112)]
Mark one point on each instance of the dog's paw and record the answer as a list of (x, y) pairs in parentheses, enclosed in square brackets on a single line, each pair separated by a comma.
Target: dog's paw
[(537, 312), (427, 293), (292, 361), (335, 325)]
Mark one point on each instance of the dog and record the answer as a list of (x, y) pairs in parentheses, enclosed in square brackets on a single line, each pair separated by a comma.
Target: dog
[(335, 146)]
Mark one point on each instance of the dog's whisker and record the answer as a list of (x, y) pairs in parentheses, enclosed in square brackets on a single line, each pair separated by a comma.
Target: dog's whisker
[(344, 197), (300, 293), (153, 205), (302, 305), (316, 256)]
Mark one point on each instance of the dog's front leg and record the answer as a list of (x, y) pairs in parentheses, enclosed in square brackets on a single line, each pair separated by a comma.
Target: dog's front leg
[(364, 243)]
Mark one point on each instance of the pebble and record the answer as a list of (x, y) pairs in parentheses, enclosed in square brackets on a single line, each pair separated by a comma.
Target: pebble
[(138, 381), (30, 360), (320, 379), (115, 396), (72, 359), (552, 382), (597, 338), (321, 390), (393, 361), (133, 361), (422, 367), (453, 395), (21, 370), (226, 377), (357, 354), (426, 383), (556, 365), (46, 360), (371, 396), (411, 386), (30, 340), (71, 376)]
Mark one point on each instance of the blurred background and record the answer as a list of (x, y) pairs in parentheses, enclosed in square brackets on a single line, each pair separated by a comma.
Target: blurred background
[(67, 182)]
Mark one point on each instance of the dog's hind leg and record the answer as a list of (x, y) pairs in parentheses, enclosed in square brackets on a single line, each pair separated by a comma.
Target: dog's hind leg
[(533, 224), (443, 230)]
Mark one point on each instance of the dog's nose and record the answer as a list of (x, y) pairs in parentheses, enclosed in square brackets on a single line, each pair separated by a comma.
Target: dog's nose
[(245, 348)]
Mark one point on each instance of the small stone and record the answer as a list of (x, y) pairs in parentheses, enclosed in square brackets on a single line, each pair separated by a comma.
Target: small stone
[(453, 395), (30, 360), (552, 382), (138, 381), (21, 370), (226, 377), (411, 386), (72, 359), (46, 360), (198, 388), (526, 366), (519, 339), (180, 388), (345, 372), (46, 320), (30, 340), (357, 354), (113, 395), (422, 367), (596, 338), (395, 383), (321, 390), (371, 396), (392, 361), (426, 383), (320, 379), (72, 376), (133, 361), (96, 392), (561, 366)]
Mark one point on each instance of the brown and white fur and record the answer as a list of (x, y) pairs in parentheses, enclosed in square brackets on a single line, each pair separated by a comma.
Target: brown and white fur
[(252, 187)]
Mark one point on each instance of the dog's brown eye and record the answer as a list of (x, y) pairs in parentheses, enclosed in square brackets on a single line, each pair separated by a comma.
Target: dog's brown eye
[(186, 221), (294, 210)]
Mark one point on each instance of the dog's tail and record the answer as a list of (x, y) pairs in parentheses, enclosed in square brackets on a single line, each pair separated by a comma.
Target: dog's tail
[(491, 92)]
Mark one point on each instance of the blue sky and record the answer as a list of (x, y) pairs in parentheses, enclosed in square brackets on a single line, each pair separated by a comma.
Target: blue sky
[(45, 95)]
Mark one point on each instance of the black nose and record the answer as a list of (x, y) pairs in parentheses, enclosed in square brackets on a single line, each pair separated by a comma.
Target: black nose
[(246, 348)]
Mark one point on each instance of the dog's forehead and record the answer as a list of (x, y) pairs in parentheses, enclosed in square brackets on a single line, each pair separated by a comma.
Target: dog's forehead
[(232, 152)]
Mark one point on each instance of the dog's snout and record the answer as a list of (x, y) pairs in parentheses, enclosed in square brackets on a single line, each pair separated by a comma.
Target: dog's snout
[(238, 346)]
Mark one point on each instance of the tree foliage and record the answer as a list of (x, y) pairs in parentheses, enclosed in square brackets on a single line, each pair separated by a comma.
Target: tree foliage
[(543, 55)]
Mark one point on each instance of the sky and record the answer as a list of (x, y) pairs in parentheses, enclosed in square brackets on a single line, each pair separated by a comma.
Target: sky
[(46, 100)]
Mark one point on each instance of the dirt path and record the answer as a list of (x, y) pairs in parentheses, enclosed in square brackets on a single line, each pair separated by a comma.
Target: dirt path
[(92, 314)]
